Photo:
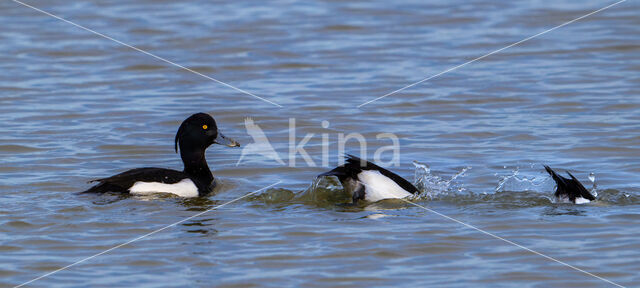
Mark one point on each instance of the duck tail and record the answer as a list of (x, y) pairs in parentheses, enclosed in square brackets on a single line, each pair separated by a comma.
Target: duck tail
[(580, 189), (553, 174), (561, 185), (102, 187), (339, 171), (570, 188), (350, 168)]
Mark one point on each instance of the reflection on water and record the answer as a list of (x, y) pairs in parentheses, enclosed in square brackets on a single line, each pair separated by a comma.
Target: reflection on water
[(76, 107), (200, 227)]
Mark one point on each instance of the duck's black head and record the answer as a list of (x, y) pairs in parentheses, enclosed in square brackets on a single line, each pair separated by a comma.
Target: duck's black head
[(194, 136), (198, 132)]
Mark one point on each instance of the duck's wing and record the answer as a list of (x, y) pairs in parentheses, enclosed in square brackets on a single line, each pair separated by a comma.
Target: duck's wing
[(354, 165), (406, 185), (575, 185), (125, 180)]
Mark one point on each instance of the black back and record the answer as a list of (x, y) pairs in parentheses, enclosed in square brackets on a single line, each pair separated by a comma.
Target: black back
[(570, 188), (354, 165), (123, 181)]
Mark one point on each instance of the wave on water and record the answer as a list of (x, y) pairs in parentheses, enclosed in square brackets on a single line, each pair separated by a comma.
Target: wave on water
[(513, 190)]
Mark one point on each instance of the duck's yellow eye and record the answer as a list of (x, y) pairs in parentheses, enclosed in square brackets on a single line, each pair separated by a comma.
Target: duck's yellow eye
[(205, 127)]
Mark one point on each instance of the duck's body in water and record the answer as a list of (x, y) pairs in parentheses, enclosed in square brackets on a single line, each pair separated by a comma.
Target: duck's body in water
[(569, 190), (194, 136), (364, 180)]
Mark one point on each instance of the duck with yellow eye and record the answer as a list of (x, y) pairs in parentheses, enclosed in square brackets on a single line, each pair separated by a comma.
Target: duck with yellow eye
[(194, 136)]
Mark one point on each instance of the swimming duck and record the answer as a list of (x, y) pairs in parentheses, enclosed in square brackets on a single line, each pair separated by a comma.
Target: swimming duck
[(569, 190), (194, 136), (364, 180)]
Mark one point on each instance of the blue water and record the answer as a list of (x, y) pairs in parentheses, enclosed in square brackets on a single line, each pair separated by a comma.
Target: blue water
[(76, 106)]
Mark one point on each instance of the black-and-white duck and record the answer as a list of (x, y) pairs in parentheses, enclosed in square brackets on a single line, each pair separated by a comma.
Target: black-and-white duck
[(194, 136), (569, 190), (364, 180)]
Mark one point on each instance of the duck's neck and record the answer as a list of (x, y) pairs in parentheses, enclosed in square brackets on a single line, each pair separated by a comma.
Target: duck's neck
[(195, 165)]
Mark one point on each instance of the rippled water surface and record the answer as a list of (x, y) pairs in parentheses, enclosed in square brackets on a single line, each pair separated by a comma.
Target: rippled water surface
[(75, 106)]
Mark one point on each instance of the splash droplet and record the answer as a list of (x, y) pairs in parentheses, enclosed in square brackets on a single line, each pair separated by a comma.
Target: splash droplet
[(592, 177)]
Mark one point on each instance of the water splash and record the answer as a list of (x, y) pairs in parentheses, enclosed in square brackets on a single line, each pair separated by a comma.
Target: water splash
[(618, 197), (542, 184), (431, 186), (594, 188), (515, 182), (515, 189), (324, 191)]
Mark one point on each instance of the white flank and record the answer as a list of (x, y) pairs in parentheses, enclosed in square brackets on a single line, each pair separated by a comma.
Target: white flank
[(378, 186), (580, 200), (184, 188)]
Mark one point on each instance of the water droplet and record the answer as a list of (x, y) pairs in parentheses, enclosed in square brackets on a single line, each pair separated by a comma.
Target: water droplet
[(592, 177)]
